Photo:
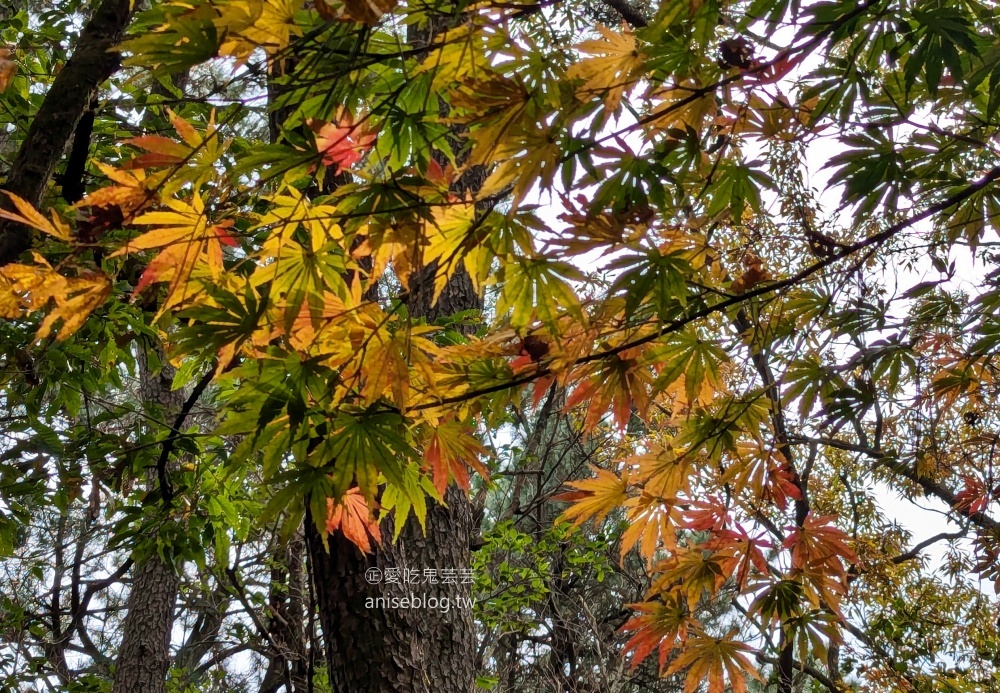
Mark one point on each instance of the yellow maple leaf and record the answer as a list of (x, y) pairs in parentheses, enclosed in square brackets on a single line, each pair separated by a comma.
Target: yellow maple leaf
[(29, 216), (651, 524), (133, 189), (680, 107), (713, 660), (527, 154), (615, 66), (251, 24), (28, 288), (456, 55), (594, 498), (449, 234), (397, 242), (185, 237)]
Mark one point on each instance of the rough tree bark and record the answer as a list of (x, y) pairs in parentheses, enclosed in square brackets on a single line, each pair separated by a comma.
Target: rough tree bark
[(386, 650), (289, 664), (144, 656), (92, 63)]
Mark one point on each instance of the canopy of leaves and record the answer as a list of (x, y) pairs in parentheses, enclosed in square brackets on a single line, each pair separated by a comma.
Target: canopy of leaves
[(770, 280)]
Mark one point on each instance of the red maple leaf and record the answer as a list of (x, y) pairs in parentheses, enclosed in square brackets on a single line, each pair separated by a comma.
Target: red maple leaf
[(354, 518), (343, 143), (974, 497)]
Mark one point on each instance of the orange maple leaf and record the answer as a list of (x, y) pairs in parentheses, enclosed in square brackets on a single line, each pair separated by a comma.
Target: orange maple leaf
[(354, 518), (595, 497), (713, 660), (8, 68), (622, 384), (659, 625), (819, 542), (452, 446), (341, 144), (819, 550)]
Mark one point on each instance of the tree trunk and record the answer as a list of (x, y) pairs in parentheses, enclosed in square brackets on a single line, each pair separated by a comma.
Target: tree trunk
[(144, 656), (93, 61), (289, 665), (375, 648), (381, 649)]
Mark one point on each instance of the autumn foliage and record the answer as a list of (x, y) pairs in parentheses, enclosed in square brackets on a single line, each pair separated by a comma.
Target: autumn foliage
[(758, 386)]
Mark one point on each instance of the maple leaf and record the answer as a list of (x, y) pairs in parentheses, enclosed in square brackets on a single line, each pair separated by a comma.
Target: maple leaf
[(662, 472), (191, 160), (457, 55), (134, 190), (185, 237), (711, 514), (713, 660), (690, 361), (693, 572), (343, 143), (622, 383), (493, 109), (8, 68), (161, 152), (450, 234), (598, 230), (812, 631), (764, 473), (819, 550), (29, 216), (538, 288), (819, 542), (974, 497), (594, 497), (527, 155), (398, 243), (298, 268), (769, 73), (451, 447), (659, 625), (614, 67), (747, 549), (651, 524), (253, 24), (27, 288), (779, 601), (679, 108), (354, 518)]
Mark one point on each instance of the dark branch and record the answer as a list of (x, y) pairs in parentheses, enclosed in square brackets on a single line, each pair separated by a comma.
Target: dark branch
[(93, 61), (628, 12)]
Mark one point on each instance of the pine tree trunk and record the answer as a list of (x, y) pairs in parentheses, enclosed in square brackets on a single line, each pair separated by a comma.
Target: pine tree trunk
[(144, 655), (374, 648), (380, 649), (392, 650)]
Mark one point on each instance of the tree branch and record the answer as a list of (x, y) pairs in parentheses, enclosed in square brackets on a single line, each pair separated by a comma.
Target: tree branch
[(93, 61), (628, 12)]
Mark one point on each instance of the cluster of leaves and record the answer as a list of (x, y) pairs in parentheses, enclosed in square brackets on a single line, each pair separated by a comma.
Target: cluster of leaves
[(749, 377)]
